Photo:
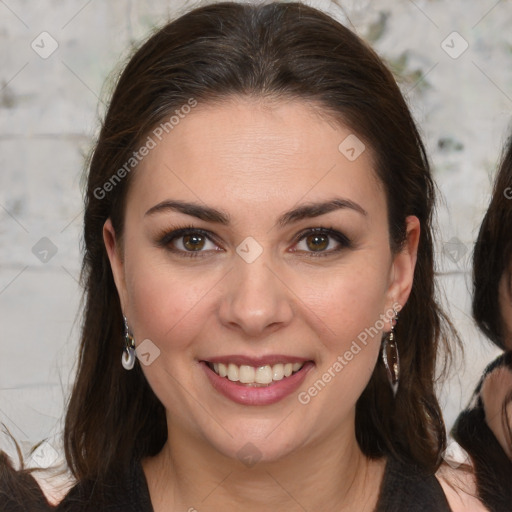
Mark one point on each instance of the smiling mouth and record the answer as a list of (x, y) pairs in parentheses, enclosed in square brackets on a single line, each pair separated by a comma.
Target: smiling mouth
[(255, 376)]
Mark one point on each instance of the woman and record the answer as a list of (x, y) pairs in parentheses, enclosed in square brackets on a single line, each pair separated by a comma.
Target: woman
[(260, 321), (485, 428)]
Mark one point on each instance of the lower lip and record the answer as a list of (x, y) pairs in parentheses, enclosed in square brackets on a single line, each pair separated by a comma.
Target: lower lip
[(265, 395)]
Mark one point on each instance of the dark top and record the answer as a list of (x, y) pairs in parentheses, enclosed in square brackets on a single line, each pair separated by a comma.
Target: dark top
[(404, 489), (493, 469)]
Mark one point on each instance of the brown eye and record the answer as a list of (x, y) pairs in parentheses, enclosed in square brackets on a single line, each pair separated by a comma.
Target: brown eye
[(188, 241), (194, 242), (322, 242), (317, 242)]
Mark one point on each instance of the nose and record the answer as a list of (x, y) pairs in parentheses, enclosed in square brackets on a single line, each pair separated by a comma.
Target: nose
[(256, 300)]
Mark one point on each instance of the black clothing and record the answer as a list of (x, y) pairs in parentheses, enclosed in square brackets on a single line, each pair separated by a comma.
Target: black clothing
[(404, 489), (493, 468)]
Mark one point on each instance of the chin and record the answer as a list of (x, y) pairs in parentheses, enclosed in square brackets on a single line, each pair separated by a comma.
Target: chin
[(252, 449)]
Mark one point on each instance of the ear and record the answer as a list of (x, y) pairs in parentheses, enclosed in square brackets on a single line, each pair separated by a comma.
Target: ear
[(114, 253), (404, 263)]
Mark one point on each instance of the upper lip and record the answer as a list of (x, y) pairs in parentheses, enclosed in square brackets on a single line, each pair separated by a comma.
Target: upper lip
[(270, 360)]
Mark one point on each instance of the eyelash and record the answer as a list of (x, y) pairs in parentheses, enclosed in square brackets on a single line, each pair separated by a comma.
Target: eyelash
[(165, 239)]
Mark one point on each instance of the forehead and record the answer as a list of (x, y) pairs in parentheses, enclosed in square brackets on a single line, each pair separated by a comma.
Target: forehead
[(249, 153)]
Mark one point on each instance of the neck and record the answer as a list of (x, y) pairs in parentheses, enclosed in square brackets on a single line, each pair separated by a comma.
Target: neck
[(329, 475)]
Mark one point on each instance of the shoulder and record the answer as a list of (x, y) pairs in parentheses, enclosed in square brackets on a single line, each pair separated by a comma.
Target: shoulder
[(123, 492), (459, 486), (54, 485), (407, 486), (495, 392)]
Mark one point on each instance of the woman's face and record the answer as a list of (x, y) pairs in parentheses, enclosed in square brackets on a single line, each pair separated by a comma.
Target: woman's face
[(251, 285)]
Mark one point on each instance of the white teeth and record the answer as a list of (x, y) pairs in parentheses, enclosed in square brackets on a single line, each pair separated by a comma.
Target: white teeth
[(263, 375), (223, 371), (256, 375), (246, 374), (278, 371), (233, 373)]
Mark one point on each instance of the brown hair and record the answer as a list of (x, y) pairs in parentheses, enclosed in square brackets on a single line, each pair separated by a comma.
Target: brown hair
[(493, 253), (276, 50), (492, 258), (19, 490)]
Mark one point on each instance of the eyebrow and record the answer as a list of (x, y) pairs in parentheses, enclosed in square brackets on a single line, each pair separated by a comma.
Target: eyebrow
[(304, 211)]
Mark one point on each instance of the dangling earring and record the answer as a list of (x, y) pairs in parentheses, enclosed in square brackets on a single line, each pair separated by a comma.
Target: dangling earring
[(128, 357), (390, 356)]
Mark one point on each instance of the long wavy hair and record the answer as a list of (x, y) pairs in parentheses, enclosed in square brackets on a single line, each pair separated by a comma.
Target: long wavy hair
[(273, 50)]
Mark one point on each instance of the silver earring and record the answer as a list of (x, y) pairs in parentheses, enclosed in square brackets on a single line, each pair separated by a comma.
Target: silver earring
[(390, 356), (128, 357)]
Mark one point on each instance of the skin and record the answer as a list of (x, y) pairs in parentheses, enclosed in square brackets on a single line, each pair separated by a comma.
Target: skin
[(505, 302), (255, 160), (498, 384)]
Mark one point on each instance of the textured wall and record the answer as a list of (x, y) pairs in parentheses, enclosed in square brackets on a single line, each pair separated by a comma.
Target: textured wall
[(453, 62)]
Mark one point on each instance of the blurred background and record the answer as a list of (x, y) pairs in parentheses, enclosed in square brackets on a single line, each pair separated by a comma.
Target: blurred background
[(58, 60)]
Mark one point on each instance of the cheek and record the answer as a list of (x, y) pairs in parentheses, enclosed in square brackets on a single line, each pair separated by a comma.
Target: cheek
[(164, 304), (171, 304), (349, 299), (348, 314)]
